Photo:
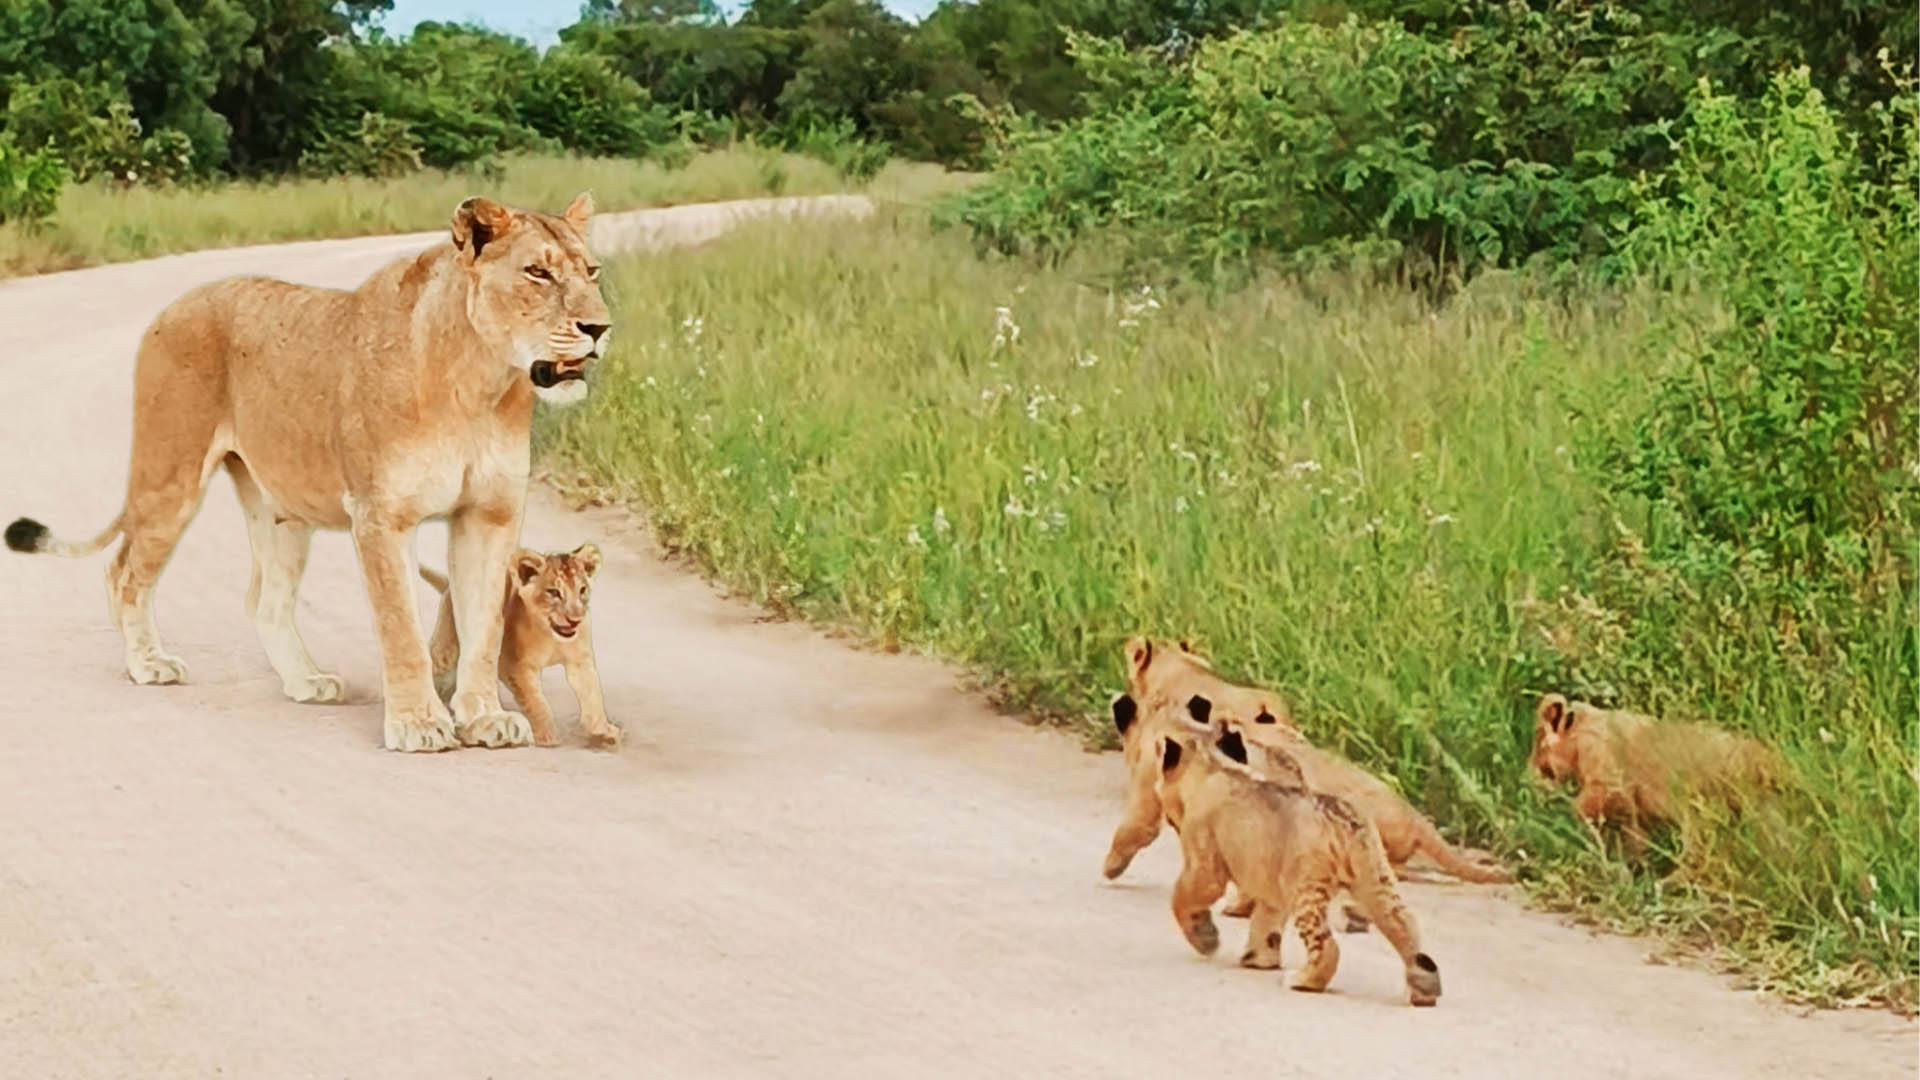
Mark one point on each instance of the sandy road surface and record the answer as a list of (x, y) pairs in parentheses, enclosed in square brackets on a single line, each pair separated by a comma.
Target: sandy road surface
[(808, 861)]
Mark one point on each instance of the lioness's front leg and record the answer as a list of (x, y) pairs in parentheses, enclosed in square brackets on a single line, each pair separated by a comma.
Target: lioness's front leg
[(415, 718), (480, 546), (1139, 824)]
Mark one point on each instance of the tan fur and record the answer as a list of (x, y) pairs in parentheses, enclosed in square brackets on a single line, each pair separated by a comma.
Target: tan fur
[(1171, 671), (1288, 848), (1163, 675), (368, 410), (1407, 833), (1636, 770), (545, 624)]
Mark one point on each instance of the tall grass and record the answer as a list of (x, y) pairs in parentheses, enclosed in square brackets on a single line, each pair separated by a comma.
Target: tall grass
[(1377, 506), (97, 223)]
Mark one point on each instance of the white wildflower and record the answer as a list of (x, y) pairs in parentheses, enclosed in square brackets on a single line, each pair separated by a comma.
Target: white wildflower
[(1005, 331), (1086, 360), (913, 537), (1301, 468), (1180, 505), (1439, 519), (940, 525)]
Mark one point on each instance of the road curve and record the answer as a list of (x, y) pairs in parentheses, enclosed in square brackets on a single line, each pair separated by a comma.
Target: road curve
[(807, 861)]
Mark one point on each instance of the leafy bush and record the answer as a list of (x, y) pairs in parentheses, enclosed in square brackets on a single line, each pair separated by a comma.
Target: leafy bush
[(1788, 433), (1356, 141), (838, 144), (379, 146), (579, 100), (30, 182)]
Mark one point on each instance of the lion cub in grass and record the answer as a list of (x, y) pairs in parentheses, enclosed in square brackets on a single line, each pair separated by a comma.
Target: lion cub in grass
[(1288, 849), (545, 624), (1637, 770)]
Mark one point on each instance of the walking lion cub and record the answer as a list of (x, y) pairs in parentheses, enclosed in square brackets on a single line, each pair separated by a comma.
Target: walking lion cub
[(546, 624), (1287, 848)]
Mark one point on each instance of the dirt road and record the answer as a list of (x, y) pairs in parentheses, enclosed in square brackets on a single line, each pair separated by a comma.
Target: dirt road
[(808, 861)]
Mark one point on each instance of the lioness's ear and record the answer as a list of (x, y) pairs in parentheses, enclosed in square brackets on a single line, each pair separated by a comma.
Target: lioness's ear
[(1199, 708), (588, 556), (527, 565), (1125, 709), (1231, 745), (478, 222), (1265, 717), (1169, 755), (579, 212), (1553, 711), (1139, 651)]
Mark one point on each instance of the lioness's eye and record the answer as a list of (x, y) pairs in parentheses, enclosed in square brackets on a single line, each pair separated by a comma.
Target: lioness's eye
[(538, 273), (555, 593), (593, 273)]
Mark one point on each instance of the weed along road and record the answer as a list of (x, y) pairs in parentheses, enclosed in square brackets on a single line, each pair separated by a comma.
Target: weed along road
[(807, 860)]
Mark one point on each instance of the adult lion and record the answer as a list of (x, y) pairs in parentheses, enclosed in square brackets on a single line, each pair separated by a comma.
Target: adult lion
[(371, 410)]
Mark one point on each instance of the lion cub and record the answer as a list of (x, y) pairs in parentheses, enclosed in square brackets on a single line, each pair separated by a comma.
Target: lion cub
[(545, 623), (1173, 674), (1289, 849), (1634, 769)]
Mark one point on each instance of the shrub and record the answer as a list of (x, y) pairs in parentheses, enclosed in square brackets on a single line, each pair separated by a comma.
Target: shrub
[(30, 182)]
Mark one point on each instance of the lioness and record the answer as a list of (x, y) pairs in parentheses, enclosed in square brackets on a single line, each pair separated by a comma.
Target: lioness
[(546, 624), (1636, 770), (369, 410), (1289, 849)]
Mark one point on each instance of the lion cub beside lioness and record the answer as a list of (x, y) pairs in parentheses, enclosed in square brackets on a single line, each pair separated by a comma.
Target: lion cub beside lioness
[(546, 624), (1288, 849)]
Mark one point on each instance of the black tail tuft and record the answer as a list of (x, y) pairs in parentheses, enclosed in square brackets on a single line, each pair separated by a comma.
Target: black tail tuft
[(26, 535)]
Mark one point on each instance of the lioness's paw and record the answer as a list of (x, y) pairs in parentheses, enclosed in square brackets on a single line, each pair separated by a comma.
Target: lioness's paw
[(496, 730), (318, 689), (420, 730), (157, 669)]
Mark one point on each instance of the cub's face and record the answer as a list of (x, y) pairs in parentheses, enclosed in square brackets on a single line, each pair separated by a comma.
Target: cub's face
[(536, 291), (555, 587), (1552, 758)]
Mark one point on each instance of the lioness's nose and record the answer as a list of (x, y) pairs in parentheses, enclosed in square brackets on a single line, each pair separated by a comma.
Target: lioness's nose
[(593, 330)]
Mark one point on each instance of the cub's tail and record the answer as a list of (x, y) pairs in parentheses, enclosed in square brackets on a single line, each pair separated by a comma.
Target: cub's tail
[(434, 578), (1449, 858), (29, 536)]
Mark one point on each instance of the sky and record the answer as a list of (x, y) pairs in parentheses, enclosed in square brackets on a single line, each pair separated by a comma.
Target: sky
[(539, 21)]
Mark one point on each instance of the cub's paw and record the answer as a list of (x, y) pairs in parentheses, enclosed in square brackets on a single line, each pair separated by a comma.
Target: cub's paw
[(1262, 955), (1423, 980), (1202, 934), (605, 737), (423, 729), (496, 730), (1116, 864), (316, 689), (156, 668)]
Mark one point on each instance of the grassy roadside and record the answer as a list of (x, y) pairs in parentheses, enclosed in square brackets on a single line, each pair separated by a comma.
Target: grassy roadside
[(1378, 507), (99, 224)]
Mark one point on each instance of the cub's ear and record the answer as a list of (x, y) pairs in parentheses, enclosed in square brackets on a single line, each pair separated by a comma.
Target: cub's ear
[(1169, 755), (1200, 709), (588, 556), (579, 212), (1553, 712), (477, 222), (1231, 745), (527, 565), (1139, 651), (1125, 710)]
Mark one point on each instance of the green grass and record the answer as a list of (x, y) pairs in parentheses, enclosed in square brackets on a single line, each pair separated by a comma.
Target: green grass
[(98, 223), (1381, 508)]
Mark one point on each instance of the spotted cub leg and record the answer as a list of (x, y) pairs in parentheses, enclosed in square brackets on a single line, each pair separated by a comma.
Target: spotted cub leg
[(525, 684), (584, 676), (1203, 878), (1263, 937), (1323, 952), (1382, 902)]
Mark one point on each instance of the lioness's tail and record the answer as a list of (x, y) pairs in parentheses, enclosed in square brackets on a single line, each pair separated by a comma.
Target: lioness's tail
[(29, 536), (1448, 858), (434, 578)]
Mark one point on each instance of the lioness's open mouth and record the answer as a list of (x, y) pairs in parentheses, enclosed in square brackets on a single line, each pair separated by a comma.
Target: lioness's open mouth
[(566, 632), (546, 373)]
